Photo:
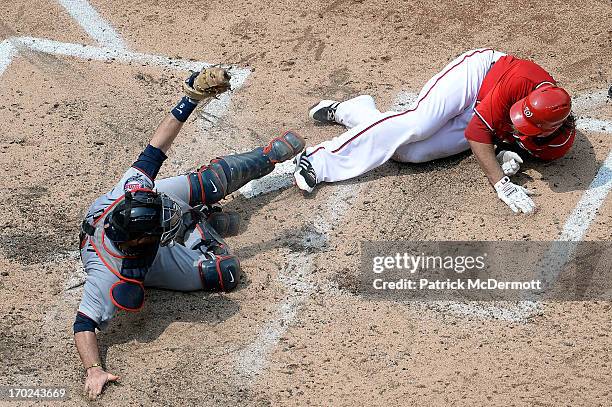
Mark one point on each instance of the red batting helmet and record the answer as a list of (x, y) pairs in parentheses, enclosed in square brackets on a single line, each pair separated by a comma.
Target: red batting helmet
[(542, 111)]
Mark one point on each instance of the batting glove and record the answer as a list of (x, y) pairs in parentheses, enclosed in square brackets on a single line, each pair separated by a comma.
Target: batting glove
[(515, 196), (509, 161)]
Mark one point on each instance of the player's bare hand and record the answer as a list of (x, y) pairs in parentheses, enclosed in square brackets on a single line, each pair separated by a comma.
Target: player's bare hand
[(96, 380), (515, 196)]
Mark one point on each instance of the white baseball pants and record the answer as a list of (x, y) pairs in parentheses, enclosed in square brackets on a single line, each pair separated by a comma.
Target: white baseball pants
[(433, 128)]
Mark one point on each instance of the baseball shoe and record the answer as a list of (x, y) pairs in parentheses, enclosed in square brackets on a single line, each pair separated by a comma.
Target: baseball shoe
[(284, 147), (324, 111), (305, 177)]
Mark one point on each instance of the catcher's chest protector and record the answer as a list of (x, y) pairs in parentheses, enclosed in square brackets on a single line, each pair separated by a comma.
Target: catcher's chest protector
[(127, 293)]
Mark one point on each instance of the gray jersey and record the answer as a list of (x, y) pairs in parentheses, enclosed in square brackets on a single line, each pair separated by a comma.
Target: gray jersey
[(175, 267)]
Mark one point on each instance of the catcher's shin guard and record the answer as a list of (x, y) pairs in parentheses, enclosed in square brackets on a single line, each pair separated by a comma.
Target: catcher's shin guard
[(243, 168), (285, 147), (224, 175)]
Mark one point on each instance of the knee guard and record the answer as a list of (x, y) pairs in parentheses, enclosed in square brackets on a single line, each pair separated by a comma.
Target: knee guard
[(219, 273), (207, 185), (225, 223)]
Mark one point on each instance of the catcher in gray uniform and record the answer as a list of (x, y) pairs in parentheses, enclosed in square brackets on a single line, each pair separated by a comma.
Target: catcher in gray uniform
[(165, 233)]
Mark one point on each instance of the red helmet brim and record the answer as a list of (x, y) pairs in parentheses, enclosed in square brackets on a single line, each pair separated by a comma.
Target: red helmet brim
[(521, 123)]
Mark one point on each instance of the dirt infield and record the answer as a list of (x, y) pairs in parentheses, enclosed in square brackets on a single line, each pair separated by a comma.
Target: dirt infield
[(295, 332)]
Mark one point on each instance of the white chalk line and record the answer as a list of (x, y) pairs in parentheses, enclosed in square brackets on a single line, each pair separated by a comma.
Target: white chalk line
[(585, 211), (252, 360), (581, 104), (214, 109), (7, 53), (586, 102), (280, 178), (92, 22), (100, 53), (574, 229), (209, 115), (594, 125), (561, 252)]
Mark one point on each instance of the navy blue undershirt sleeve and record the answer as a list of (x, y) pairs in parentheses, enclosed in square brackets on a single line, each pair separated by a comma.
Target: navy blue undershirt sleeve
[(184, 108), (150, 161), (83, 323)]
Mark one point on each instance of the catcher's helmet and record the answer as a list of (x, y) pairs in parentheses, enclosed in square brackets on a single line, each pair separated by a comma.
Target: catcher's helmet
[(542, 111), (144, 213)]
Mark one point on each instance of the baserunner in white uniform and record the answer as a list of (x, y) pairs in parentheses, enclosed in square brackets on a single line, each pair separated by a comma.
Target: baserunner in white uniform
[(164, 234), (481, 99)]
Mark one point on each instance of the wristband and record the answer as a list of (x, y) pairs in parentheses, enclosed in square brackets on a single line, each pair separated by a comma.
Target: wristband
[(94, 365), (499, 185), (184, 108)]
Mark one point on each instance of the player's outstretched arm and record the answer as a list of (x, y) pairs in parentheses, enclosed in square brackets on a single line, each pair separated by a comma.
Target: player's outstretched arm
[(199, 87), (485, 154), (166, 132), (515, 196), (96, 377)]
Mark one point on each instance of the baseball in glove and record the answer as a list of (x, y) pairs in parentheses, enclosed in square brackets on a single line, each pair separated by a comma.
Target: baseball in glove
[(206, 83)]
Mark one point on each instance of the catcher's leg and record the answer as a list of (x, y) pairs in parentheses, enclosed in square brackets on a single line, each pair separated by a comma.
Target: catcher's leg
[(182, 269), (227, 174)]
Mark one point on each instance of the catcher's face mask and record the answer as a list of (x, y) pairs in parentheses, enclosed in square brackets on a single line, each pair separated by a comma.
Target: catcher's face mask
[(170, 220), (144, 213)]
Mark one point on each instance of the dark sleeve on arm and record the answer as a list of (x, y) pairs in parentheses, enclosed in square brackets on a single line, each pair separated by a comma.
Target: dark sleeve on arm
[(83, 323), (150, 161), (505, 146)]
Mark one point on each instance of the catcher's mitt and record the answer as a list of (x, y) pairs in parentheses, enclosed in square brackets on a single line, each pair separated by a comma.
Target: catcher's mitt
[(209, 82)]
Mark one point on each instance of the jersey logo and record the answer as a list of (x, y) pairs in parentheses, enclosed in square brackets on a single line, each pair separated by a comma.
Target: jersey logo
[(214, 186), (527, 112), (135, 182)]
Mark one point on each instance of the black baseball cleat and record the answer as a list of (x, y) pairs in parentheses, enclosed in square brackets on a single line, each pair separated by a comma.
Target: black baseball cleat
[(284, 147), (305, 177), (324, 111)]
